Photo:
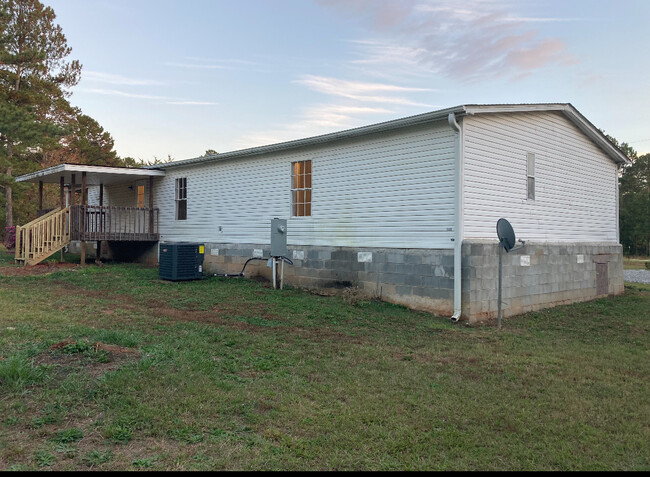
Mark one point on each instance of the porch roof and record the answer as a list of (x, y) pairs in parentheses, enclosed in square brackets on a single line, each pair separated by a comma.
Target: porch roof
[(95, 175)]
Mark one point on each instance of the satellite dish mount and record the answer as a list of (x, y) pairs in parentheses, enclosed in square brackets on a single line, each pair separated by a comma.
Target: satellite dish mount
[(506, 235)]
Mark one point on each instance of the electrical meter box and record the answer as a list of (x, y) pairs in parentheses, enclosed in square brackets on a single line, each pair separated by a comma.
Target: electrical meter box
[(279, 238), (180, 261)]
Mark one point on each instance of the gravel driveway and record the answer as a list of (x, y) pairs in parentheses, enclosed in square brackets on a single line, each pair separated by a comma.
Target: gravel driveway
[(639, 276)]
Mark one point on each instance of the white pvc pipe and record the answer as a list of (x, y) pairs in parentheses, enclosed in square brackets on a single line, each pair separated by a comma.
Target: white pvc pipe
[(281, 274), (274, 279)]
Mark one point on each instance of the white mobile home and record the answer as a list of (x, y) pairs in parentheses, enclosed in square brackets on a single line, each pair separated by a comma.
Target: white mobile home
[(407, 209)]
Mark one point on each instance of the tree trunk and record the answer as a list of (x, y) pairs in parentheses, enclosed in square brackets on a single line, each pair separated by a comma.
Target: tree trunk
[(9, 205)]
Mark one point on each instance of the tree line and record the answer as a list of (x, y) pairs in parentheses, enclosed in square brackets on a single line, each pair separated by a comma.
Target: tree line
[(39, 127), (634, 201)]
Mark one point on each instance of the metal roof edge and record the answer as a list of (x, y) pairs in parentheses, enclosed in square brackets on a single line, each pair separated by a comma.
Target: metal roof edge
[(65, 167), (469, 109), (325, 138), (596, 135), (569, 111)]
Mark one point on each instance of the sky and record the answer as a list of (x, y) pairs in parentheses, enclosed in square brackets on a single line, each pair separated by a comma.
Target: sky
[(174, 78)]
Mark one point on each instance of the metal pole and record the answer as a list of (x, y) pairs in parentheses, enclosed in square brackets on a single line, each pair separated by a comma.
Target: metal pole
[(281, 274), (274, 280), (500, 274)]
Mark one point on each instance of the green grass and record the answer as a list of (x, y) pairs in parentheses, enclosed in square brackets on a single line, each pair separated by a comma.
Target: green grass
[(229, 374), (636, 263)]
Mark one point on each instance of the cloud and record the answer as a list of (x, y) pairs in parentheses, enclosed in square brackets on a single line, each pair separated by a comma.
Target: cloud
[(193, 103), (114, 92), (480, 40), (194, 62), (200, 66), (313, 121), (109, 78), (165, 99), (360, 91)]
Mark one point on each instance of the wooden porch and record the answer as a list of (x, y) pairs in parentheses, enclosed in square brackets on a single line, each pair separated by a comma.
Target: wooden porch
[(96, 223), (51, 232), (83, 222)]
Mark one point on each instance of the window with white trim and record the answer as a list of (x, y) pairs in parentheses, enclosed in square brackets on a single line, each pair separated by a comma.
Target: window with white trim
[(301, 189), (530, 174), (181, 198)]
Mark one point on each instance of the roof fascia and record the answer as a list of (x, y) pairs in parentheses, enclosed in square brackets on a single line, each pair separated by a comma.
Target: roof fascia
[(316, 140), (63, 168), (569, 111)]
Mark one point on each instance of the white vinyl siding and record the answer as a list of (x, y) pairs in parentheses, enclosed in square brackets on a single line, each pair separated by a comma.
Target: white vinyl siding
[(575, 182), (393, 189), (119, 195)]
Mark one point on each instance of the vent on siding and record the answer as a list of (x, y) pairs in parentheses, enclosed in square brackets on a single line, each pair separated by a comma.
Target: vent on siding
[(530, 157)]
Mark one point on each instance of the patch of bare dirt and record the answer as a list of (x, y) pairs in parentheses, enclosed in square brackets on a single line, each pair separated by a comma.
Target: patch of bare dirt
[(98, 360), (224, 314), (38, 269)]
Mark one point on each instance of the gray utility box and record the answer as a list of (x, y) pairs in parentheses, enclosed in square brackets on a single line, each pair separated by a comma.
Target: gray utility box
[(279, 238), (180, 261)]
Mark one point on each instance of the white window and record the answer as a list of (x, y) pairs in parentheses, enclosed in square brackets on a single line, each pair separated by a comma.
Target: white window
[(181, 198), (530, 173), (301, 189)]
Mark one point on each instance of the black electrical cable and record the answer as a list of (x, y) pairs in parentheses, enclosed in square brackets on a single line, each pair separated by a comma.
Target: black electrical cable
[(241, 274)]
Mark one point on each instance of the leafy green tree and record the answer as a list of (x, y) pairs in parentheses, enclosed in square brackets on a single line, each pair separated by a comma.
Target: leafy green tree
[(156, 160), (35, 77), (129, 162), (634, 201), (634, 206), (90, 144)]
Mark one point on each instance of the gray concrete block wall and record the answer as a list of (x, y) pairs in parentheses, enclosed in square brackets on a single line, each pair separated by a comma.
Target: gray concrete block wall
[(421, 279), (557, 273), (424, 279)]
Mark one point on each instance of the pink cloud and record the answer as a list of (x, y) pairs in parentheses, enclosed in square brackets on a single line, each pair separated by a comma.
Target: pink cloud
[(478, 40)]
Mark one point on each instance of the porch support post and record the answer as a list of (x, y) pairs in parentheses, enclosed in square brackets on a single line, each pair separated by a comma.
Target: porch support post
[(82, 217), (62, 205), (62, 192), (98, 257), (73, 188), (40, 195), (151, 218)]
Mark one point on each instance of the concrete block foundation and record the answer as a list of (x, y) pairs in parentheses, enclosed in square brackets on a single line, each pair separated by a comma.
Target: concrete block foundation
[(539, 275)]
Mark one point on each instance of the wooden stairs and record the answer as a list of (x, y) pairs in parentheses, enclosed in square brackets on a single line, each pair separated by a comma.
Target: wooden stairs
[(40, 238)]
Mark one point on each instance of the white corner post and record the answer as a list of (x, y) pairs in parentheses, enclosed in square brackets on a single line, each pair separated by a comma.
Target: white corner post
[(458, 222)]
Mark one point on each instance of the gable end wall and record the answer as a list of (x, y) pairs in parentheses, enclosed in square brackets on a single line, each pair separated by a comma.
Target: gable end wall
[(575, 182)]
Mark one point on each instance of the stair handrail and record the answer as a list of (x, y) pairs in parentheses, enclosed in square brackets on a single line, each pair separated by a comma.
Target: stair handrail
[(44, 216), (35, 241)]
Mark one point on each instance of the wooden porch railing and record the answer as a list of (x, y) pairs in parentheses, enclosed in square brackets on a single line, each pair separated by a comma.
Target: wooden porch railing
[(94, 222), (40, 238), (43, 236)]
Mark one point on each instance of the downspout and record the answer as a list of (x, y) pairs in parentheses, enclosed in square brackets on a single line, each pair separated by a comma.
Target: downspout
[(458, 204), (618, 220)]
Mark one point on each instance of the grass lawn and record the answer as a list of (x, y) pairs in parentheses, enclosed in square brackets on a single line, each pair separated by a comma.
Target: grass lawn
[(635, 263), (108, 367)]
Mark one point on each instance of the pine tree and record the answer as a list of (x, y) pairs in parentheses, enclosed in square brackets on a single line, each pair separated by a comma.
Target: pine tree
[(35, 78)]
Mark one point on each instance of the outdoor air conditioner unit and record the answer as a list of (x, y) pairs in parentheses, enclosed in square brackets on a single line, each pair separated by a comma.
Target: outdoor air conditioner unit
[(181, 261)]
